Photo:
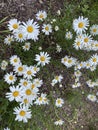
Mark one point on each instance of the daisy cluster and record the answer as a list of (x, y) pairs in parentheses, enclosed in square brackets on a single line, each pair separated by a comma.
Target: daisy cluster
[(83, 41), (24, 85)]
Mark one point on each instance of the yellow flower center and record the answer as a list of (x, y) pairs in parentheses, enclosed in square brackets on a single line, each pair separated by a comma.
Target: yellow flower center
[(20, 68), (28, 92), (22, 113), (25, 83), (78, 43), (25, 101), (81, 65), (42, 58), (94, 30), (40, 98), (15, 60), (33, 86), (41, 16), (26, 46), (94, 60), (46, 28), (29, 72), (15, 26), (11, 77), (35, 68), (81, 25), (87, 64), (30, 29), (9, 39), (20, 35), (15, 94), (65, 59), (69, 61), (86, 39), (59, 101), (96, 45), (57, 77)]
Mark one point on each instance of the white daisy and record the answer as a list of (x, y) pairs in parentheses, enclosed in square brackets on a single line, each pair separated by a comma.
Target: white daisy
[(38, 82), (59, 122), (29, 93), (3, 65), (78, 44), (26, 46), (68, 35), (94, 60), (43, 58), (41, 100), (25, 101), (31, 29), (86, 39), (13, 25), (9, 39), (23, 113), (14, 60), (57, 79), (77, 73), (76, 85), (68, 61), (29, 72), (47, 29), (35, 69), (19, 69), (92, 97), (90, 83), (41, 15), (10, 78), (94, 30), (20, 36), (24, 83), (59, 102), (80, 24), (15, 93)]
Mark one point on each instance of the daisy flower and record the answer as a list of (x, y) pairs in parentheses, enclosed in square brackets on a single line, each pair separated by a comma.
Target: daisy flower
[(86, 39), (41, 100), (77, 73), (68, 35), (29, 93), (80, 24), (57, 79), (59, 122), (90, 83), (76, 85), (78, 44), (20, 36), (43, 58), (41, 15), (24, 83), (9, 39), (38, 82), (3, 65), (15, 93), (31, 29), (47, 29), (29, 72), (94, 60), (13, 25), (59, 102), (36, 69), (25, 101), (23, 113), (10, 78), (7, 128), (19, 69), (26, 46), (14, 60), (68, 61), (92, 97), (94, 30)]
